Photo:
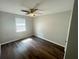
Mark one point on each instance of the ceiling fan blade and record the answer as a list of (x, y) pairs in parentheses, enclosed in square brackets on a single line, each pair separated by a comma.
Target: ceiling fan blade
[(24, 11), (28, 12), (38, 4)]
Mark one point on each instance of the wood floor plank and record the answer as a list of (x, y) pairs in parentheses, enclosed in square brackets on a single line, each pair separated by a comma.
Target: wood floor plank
[(31, 48)]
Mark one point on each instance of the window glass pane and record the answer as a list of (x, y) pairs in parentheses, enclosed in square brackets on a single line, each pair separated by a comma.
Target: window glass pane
[(20, 25)]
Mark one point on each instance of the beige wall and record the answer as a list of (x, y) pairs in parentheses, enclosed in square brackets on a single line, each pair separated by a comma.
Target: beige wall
[(53, 27), (8, 27)]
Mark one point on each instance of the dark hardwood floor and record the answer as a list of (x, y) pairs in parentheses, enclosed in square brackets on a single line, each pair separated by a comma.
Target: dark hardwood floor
[(31, 48)]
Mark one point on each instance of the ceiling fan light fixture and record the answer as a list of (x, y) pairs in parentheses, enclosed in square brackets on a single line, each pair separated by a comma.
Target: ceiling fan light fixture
[(31, 14)]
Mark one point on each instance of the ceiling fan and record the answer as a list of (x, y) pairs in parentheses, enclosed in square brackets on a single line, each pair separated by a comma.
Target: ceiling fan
[(32, 11)]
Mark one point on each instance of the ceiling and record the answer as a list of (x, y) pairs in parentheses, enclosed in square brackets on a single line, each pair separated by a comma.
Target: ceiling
[(47, 6)]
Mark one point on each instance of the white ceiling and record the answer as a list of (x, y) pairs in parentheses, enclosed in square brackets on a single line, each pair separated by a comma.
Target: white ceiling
[(47, 6)]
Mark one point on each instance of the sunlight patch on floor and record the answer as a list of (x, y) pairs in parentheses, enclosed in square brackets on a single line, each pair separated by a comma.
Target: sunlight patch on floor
[(27, 40)]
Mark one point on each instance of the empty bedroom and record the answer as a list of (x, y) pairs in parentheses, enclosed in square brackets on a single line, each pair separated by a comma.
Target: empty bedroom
[(35, 29)]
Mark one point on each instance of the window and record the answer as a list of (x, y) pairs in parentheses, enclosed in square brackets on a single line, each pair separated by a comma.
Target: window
[(20, 25)]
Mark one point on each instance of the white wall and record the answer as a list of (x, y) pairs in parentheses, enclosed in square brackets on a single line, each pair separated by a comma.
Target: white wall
[(8, 27), (53, 27)]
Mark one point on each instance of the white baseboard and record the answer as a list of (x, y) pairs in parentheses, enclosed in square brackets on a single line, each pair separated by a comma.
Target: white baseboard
[(34, 35), (11, 41), (50, 41)]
